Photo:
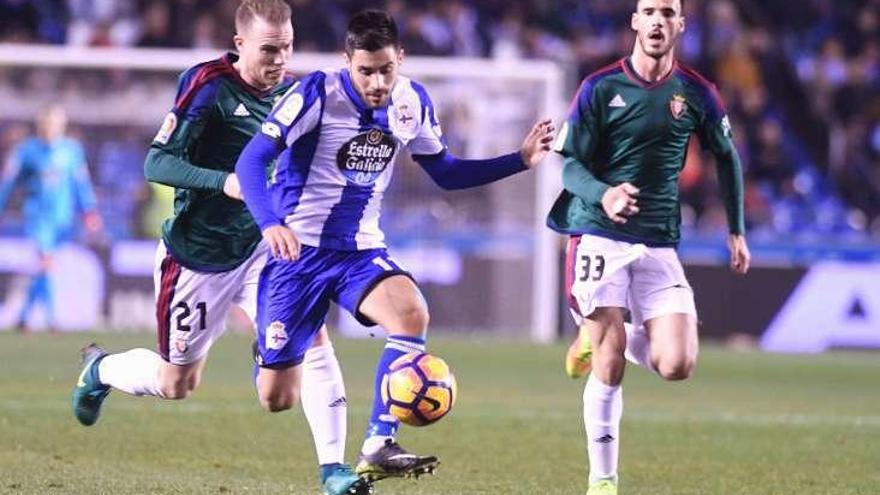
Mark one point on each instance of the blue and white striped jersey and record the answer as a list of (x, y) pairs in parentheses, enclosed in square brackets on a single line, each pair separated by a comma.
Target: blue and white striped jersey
[(338, 156)]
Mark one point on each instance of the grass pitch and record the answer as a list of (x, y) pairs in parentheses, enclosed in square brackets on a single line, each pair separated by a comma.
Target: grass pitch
[(746, 423)]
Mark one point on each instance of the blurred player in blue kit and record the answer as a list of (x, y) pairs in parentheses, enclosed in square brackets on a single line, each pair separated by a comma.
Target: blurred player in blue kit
[(337, 136), (53, 170)]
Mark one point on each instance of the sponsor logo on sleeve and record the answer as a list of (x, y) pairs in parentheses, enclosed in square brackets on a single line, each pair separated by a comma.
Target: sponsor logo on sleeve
[(290, 109), (167, 129)]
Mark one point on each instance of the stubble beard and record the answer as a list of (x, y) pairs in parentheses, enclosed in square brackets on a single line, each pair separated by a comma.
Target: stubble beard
[(656, 54)]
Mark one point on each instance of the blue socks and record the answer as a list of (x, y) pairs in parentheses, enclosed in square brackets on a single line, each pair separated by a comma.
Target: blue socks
[(382, 423), (39, 291)]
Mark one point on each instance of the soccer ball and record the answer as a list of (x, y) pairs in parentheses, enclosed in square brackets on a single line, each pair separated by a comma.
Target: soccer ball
[(419, 388)]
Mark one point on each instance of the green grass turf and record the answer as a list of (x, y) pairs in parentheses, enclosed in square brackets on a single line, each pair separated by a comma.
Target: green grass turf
[(746, 423)]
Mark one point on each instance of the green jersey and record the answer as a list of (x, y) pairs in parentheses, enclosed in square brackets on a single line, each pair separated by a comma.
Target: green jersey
[(214, 116), (624, 129)]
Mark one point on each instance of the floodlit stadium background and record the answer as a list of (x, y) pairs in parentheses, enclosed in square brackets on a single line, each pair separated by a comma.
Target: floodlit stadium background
[(800, 81)]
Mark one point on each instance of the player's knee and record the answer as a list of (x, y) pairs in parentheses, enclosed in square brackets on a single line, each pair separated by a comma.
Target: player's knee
[(414, 320), (677, 369), (279, 401), (609, 361), (177, 390)]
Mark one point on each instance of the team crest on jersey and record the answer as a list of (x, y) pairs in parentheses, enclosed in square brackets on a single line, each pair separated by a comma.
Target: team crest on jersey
[(678, 106), (404, 120), (364, 157), (276, 336), (167, 129), (181, 345)]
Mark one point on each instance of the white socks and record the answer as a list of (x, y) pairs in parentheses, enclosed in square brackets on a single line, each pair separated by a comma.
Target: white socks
[(638, 347), (373, 443), (324, 403), (134, 372), (603, 408)]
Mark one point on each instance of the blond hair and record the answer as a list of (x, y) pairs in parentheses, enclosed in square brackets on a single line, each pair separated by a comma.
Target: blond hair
[(271, 11)]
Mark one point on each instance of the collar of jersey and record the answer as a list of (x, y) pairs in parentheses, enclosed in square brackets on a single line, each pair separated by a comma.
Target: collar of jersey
[(630, 71)]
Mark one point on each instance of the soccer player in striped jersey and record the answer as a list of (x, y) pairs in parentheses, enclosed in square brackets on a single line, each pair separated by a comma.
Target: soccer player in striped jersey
[(337, 136), (211, 253), (624, 145)]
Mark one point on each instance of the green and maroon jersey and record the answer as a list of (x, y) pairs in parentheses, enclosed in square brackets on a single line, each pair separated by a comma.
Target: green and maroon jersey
[(214, 116), (622, 128)]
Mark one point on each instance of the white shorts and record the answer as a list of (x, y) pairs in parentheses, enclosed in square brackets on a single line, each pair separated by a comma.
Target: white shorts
[(191, 306), (648, 281)]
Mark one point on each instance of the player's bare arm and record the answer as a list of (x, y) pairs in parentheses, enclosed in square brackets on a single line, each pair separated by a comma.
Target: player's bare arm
[(537, 143)]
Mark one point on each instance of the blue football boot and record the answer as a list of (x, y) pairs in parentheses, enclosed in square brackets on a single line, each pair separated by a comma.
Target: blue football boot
[(339, 479)]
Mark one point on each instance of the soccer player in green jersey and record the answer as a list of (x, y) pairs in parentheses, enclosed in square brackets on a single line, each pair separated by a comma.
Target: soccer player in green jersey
[(211, 253), (624, 145)]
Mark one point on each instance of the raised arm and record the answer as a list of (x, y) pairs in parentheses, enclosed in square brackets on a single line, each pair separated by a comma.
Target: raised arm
[(450, 172)]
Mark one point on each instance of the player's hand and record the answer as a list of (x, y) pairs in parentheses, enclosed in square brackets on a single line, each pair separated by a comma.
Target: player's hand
[(740, 258), (537, 143), (232, 188), (619, 202), (92, 221), (282, 242)]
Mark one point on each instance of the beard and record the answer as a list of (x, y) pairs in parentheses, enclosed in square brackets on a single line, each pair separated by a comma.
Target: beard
[(654, 51)]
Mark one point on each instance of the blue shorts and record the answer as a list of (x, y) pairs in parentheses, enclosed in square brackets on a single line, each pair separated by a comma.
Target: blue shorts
[(294, 296)]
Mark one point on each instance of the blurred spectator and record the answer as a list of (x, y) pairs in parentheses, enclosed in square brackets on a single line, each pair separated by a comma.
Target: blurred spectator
[(102, 22), (205, 33), (315, 26), (801, 78), (156, 28)]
